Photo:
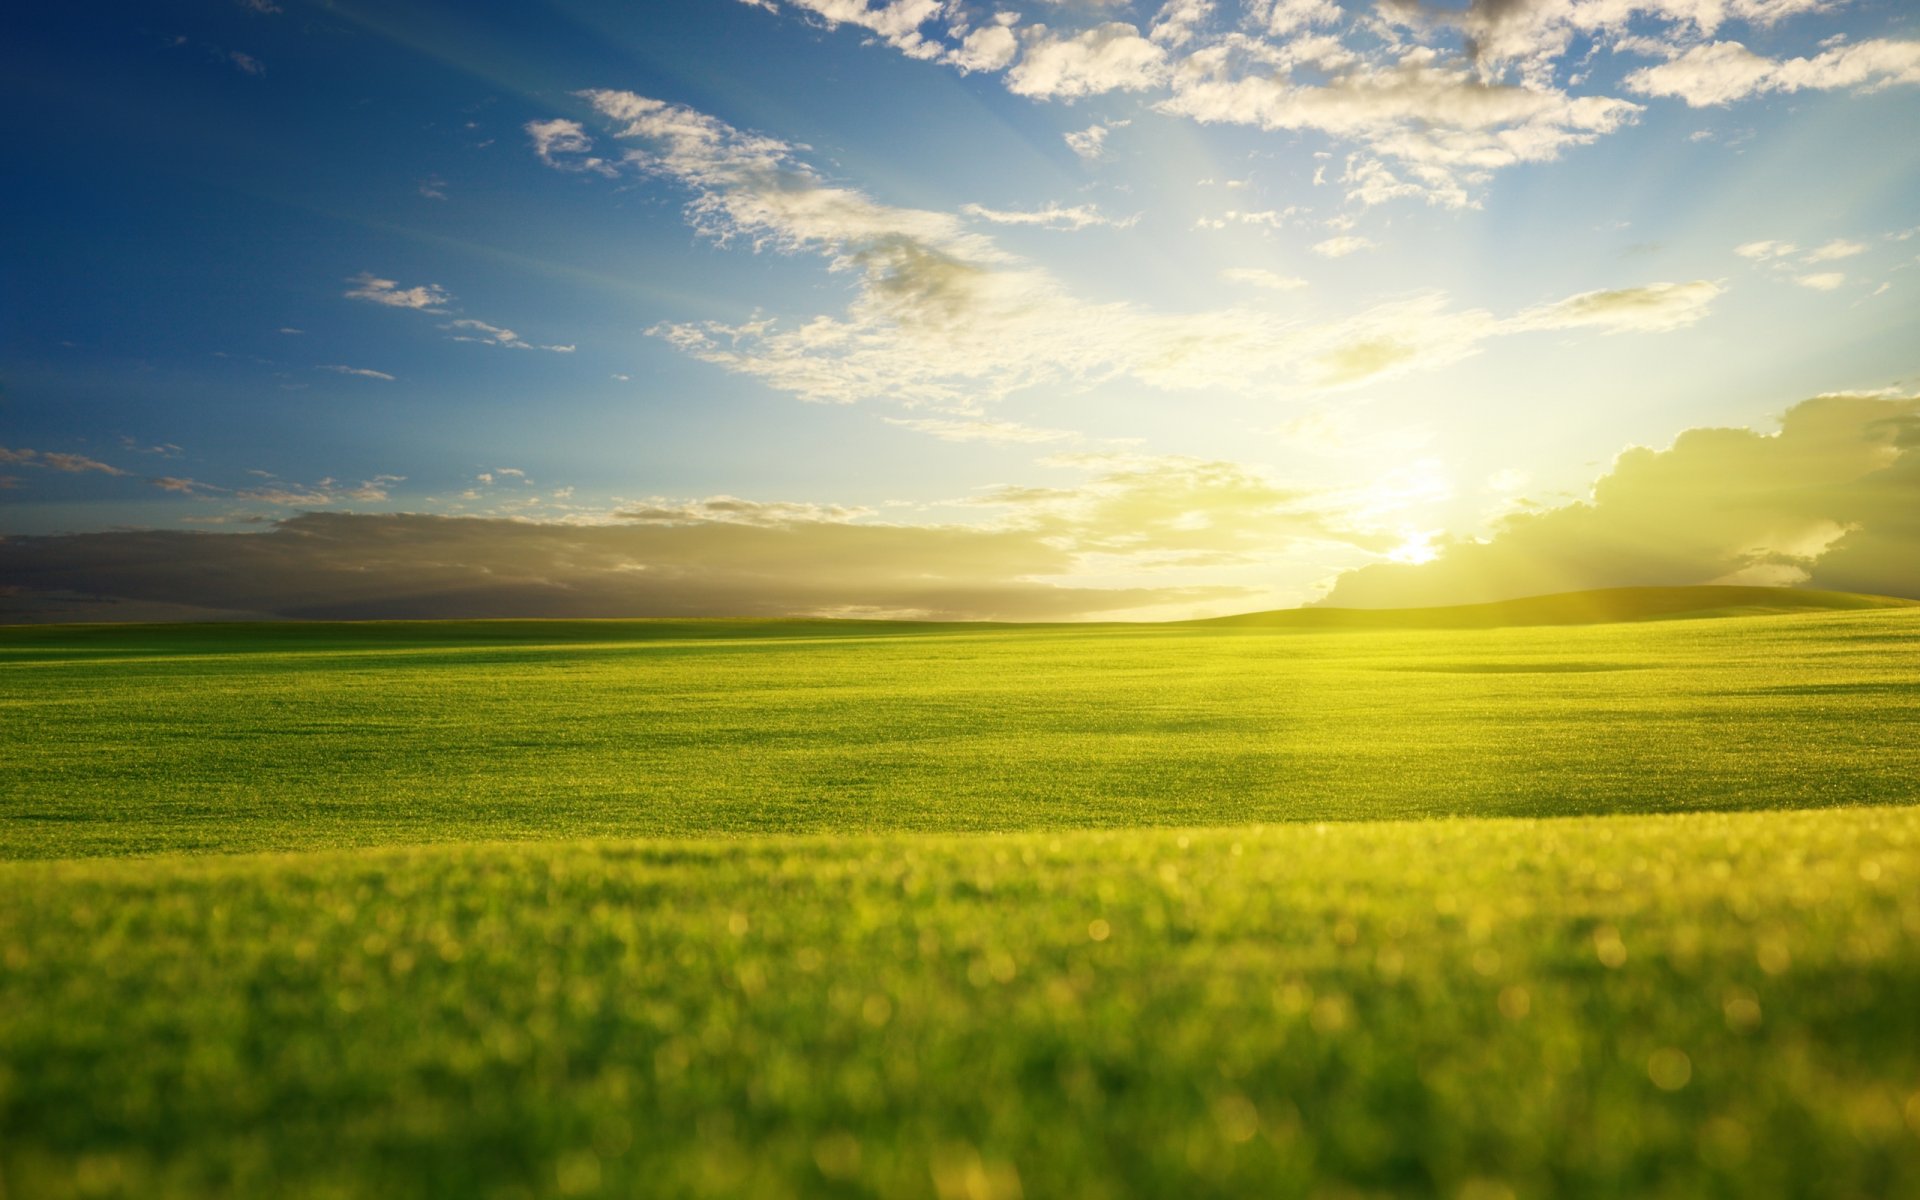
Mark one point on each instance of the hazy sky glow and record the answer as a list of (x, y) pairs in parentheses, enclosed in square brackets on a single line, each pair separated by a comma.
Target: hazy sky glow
[(932, 307)]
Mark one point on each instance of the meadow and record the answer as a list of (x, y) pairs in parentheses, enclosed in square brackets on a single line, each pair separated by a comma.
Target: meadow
[(804, 908)]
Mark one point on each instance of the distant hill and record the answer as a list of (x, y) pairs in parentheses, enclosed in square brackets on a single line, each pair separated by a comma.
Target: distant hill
[(1598, 607)]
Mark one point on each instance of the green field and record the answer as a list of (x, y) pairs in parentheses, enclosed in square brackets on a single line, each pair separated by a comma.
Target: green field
[(1417, 906)]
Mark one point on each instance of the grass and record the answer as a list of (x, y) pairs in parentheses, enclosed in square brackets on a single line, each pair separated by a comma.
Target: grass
[(802, 908), (300, 737)]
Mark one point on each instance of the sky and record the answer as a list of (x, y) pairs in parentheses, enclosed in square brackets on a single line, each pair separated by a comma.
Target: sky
[(1059, 309)]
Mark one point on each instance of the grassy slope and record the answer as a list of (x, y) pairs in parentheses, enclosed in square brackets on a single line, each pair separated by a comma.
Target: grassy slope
[(1600, 606), (168, 740), (1697, 1004)]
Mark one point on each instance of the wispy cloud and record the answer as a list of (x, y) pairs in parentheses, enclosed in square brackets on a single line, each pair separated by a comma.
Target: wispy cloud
[(428, 297), (1053, 216), (362, 372), (494, 335), (54, 460)]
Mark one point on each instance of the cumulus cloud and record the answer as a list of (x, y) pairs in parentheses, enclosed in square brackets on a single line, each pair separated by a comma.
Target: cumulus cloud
[(989, 48), (427, 297), (1089, 143), (1434, 97), (1446, 126), (1829, 500), (943, 316), (1106, 58), (1723, 72), (1037, 559)]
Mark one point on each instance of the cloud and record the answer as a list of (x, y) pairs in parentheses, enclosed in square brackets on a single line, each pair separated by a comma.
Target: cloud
[(1089, 143), (425, 297), (53, 460), (183, 486), (1835, 250), (942, 316), (319, 495), (1266, 218), (1048, 553), (1654, 308), (989, 48), (1433, 97), (1830, 500), (1053, 216), (1340, 247), (1261, 278), (1822, 281), (564, 144), (246, 64), (1723, 72), (1106, 58), (1446, 126), (494, 335), (363, 372)]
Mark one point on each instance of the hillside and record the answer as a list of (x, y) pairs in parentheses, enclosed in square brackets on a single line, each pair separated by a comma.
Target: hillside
[(1598, 607)]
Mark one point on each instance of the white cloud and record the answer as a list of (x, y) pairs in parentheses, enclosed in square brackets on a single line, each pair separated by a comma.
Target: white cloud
[(1089, 143), (1280, 17), (1822, 281), (1053, 216), (1722, 72), (1269, 218), (989, 48), (1654, 308), (426, 297), (1446, 127), (1261, 278), (362, 372), (494, 335), (942, 316), (564, 144), (1106, 58), (1764, 251), (1837, 249), (1340, 247)]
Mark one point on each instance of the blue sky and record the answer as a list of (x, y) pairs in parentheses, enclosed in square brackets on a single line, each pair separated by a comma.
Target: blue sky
[(1192, 306)]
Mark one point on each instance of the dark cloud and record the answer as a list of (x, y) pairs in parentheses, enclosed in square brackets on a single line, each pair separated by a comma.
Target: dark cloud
[(1831, 500), (345, 566)]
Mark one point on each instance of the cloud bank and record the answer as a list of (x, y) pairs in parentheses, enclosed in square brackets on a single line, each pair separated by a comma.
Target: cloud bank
[(1046, 553), (1831, 500)]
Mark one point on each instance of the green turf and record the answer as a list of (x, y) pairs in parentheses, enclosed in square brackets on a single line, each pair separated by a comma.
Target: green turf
[(1299, 990), (289, 737)]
